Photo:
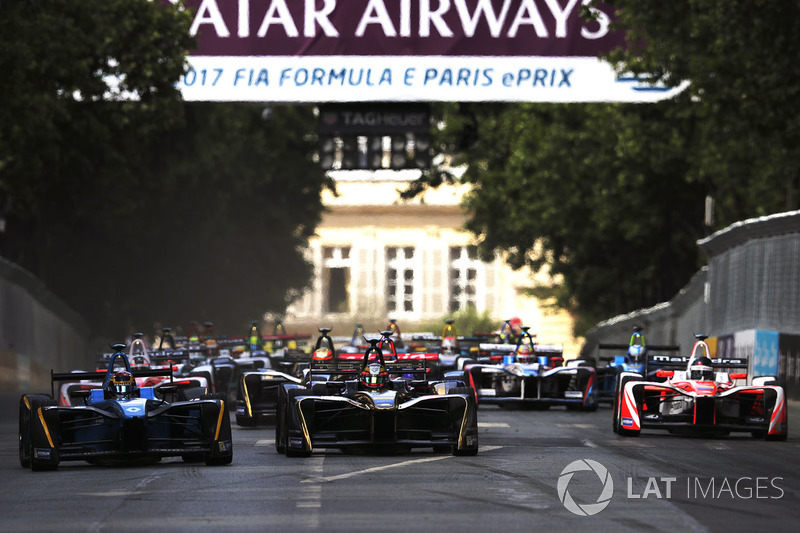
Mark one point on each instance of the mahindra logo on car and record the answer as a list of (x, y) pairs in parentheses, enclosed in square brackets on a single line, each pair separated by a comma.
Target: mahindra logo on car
[(683, 359)]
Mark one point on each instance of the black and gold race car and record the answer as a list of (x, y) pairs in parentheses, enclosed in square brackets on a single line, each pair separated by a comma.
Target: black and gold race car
[(375, 405)]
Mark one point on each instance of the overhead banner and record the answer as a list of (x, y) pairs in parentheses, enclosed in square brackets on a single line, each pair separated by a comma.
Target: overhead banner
[(404, 51)]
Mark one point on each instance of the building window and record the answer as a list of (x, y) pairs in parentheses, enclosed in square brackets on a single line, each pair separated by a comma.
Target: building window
[(400, 279), (464, 269), (336, 279)]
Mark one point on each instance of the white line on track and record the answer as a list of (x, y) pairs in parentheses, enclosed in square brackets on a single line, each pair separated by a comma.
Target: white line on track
[(325, 479), (631, 443), (588, 443), (493, 424), (717, 446), (264, 442)]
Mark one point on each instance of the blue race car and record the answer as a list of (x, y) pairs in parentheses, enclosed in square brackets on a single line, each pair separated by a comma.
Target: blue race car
[(635, 359), (529, 374), (123, 423)]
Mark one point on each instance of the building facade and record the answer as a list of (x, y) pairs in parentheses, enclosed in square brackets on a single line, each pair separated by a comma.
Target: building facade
[(377, 257)]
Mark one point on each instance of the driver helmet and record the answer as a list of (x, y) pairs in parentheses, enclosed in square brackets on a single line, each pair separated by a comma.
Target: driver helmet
[(374, 376), (121, 384), (525, 354), (449, 345), (637, 350), (701, 368)]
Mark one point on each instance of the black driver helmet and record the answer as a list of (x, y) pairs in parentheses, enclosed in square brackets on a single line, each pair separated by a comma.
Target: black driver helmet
[(702, 368)]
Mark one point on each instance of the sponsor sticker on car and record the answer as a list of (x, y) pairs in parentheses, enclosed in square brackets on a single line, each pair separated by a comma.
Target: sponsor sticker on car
[(42, 453), (487, 392), (295, 442), (573, 394), (627, 422), (240, 410)]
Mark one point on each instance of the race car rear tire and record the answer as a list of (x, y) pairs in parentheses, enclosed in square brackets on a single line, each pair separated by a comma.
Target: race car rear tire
[(38, 436)]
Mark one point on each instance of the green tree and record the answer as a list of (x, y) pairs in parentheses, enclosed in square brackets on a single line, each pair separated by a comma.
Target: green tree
[(594, 193), (609, 197), (744, 82), (145, 209)]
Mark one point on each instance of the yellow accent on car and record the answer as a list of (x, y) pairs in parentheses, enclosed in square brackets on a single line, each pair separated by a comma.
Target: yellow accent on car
[(46, 429), (219, 420)]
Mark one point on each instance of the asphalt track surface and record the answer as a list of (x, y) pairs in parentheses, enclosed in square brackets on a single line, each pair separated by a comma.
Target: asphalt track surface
[(660, 482)]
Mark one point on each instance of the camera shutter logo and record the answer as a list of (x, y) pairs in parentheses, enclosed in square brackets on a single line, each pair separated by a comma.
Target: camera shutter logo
[(586, 509)]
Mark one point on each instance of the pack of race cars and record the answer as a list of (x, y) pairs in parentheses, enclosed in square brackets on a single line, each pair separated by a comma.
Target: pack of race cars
[(385, 392)]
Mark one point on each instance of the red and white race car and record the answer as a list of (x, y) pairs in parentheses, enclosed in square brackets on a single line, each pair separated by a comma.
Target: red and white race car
[(703, 399)]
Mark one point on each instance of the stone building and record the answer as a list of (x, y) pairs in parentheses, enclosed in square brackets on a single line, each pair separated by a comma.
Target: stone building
[(378, 257)]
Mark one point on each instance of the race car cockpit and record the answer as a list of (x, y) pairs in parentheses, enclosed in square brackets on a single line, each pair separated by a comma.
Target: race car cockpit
[(324, 349), (137, 352), (374, 376), (121, 386)]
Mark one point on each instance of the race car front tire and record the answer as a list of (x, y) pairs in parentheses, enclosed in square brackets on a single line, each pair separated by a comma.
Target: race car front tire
[(617, 420), (25, 427), (293, 452), (38, 436), (472, 450), (221, 456), (280, 422)]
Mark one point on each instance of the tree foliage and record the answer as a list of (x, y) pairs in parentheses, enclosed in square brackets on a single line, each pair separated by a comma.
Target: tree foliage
[(145, 209), (744, 82), (610, 197)]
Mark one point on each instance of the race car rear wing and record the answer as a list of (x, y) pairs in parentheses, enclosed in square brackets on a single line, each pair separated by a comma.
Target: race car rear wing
[(100, 376), (624, 348), (668, 361), (537, 348), (413, 367)]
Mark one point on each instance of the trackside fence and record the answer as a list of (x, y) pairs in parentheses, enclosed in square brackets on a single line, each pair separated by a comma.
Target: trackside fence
[(38, 332), (747, 299)]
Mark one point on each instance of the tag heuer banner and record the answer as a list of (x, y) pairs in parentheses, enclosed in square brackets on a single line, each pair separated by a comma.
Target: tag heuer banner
[(404, 51)]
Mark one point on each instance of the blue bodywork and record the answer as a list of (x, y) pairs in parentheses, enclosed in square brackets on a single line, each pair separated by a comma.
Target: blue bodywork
[(636, 359), (107, 429)]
